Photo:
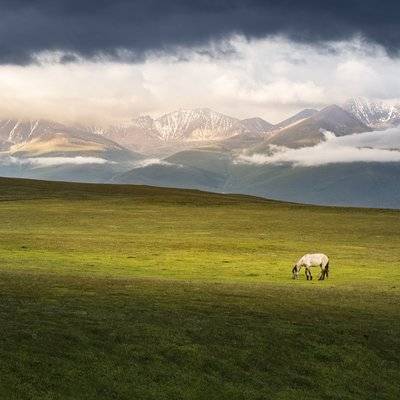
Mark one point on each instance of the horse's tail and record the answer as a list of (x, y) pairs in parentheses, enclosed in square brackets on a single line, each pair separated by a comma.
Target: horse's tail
[(327, 269)]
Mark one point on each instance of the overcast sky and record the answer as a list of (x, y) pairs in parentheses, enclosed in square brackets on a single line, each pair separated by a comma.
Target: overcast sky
[(100, 61)]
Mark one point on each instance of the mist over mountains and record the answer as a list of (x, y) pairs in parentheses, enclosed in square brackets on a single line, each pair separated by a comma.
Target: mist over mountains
[(183, 129), (339, 155)]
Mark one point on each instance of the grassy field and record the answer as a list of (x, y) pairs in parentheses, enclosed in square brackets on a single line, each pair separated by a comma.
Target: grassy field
[(118, 292)]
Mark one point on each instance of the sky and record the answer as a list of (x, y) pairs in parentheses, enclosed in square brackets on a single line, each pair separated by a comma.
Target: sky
[(103, 61)]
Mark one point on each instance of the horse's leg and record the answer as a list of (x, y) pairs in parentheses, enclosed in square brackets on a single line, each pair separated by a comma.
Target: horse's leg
[(306, 272), (322, 274)]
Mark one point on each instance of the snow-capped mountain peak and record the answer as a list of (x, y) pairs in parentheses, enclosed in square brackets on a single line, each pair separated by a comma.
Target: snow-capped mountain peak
[(17, 131), (375, 114), (196, 124), (183, 127)]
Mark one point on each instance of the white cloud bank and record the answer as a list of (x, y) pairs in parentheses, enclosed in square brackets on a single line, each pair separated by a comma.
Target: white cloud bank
[(270, 78), (51, 161), (378, 146), (39, 162), (153, 161)]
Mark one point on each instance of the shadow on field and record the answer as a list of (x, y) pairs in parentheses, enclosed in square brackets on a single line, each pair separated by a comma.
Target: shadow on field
[(93, 338)]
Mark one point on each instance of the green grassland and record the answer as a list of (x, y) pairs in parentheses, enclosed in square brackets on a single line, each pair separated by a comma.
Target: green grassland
[(130, 292)]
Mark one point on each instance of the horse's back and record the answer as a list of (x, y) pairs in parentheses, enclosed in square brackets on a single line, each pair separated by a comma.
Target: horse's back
[(314, 259)]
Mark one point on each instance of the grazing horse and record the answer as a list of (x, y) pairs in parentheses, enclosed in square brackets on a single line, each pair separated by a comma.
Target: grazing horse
[(312, 260)]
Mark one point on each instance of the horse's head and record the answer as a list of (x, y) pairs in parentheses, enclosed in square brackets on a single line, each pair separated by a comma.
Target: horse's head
[(295, 272)]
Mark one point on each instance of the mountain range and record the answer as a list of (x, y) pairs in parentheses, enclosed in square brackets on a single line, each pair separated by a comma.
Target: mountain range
[(185, 129), (200, 148), (182, 129)]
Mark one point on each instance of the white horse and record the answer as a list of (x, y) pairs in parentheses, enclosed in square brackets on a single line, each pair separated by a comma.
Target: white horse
[(309, 261)]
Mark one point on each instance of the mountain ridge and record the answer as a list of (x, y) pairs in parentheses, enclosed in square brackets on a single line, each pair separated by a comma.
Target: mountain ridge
[(375, 114), (39, 138), (190, 126), (309, 131)]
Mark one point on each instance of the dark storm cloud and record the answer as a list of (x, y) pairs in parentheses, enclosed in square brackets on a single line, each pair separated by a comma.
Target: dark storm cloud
[(92, 28)]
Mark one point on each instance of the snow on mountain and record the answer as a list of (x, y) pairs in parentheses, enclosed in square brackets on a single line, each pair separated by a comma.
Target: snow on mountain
[(196, 125), (375, 114), (32, 138), (183, 127), (143, 122), (17, 131)]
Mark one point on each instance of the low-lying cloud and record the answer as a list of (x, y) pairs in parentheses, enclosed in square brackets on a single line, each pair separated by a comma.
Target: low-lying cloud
[(50, 161), (377, 146), (152, 161)]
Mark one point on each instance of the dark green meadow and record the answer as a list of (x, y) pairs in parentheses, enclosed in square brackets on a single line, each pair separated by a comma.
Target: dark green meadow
[(129, 292)]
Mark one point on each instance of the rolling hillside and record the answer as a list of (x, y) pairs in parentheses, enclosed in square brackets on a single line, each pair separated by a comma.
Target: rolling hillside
[(120, 291)]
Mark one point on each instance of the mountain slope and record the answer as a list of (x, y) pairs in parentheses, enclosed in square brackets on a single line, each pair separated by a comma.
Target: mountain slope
[(310, 131), (172, 175), (90, 173), (135, 136), (374, 114), (300, 116), (347, 184), (193, 169), (256, 125), (43, 138), (212, 161)]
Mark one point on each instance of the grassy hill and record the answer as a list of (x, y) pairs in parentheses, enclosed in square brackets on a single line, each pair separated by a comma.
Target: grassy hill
[(128, 292)]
